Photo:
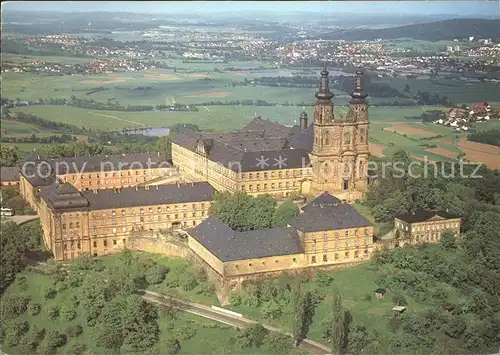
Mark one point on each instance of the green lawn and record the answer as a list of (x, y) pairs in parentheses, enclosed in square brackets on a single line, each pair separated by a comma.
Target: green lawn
[(356, 285), (458, 91), (207, 337)]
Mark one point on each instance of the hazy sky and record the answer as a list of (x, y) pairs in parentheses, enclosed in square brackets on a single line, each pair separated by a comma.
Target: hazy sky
[(470, 8)]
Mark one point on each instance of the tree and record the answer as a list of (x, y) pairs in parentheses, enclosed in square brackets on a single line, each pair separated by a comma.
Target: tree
[(284, 214), (407, 88), (9, 155), (337, 332), (173, 346), (67, 312), (448, 240), (14, 250), (455, 327), (399, 299), (53, 340), (297, 312), (277, 344), (13, 305), (53, 311), (156, 274), (253, 336), (271, 309), (34, 308), (74, 330), (358, 338)]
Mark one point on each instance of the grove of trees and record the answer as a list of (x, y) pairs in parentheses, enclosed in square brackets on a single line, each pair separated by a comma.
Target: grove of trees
[(243, 212)]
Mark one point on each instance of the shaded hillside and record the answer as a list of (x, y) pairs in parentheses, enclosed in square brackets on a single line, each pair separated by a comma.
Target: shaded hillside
[(433, 31)]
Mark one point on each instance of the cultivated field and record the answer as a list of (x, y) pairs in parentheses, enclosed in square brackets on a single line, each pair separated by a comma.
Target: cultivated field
[(479, 152)]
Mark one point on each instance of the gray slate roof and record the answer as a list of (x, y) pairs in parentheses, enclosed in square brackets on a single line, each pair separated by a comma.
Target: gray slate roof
[(328, 213), (9, 173), (86, 164), (425, 215), (245, 153), (63, 196), (301, 139), (270, 128), (228, 245), (128, 197)]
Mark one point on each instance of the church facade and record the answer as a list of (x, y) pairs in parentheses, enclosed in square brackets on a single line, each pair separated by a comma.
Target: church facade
[(265, 157)]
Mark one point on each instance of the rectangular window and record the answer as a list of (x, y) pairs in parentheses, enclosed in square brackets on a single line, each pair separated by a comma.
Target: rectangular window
[(78, 245), (346, 185), (95, 244), (258, 187), (325, 258), (313, 259), (105, 243), (114, 241)]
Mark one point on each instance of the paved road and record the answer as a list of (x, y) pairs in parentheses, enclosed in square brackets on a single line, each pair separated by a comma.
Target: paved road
[(20, 219), (232, 320)]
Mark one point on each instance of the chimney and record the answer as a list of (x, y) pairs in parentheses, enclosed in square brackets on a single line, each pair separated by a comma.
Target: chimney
[(137, 188), (157, 187), (303, 120), (178, 185), (413, 213)]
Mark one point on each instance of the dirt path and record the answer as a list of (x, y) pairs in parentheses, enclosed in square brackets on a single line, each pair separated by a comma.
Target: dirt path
[(117, 118), (229, 318)]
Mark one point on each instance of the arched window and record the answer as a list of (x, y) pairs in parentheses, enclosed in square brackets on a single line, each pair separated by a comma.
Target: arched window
[(347, 138), (326, 139), (361, 169), (326, 168)]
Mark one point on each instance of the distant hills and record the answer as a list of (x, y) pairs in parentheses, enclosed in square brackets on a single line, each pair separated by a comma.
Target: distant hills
[(433, 31)]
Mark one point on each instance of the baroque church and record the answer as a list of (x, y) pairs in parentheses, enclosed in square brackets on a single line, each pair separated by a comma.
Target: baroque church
[(328, 155)]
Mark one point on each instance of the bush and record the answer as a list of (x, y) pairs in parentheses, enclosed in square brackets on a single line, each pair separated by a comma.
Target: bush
[(235, 299), (156, 274), (173, 346), (172, 280), (22, 283), (53, 340), (205, 289), (253, 336), (61, 286), (455, 327), (399, 299), (271, 309), (448, 240), (75, 279), (367, 297), (13, 331), (277, 344), (78, 349), (186, 332), (49, 292), (67, 312), (34, 308), (13, 306), (53, 311), (74, 330), (324, 278), (189, 282)]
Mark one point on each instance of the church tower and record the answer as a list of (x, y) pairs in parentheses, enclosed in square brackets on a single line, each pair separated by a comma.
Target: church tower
[(340, 152)]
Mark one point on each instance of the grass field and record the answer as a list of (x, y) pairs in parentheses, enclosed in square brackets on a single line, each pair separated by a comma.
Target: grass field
[(458, 91), (208, 337), (354, 284), (208, 117)]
